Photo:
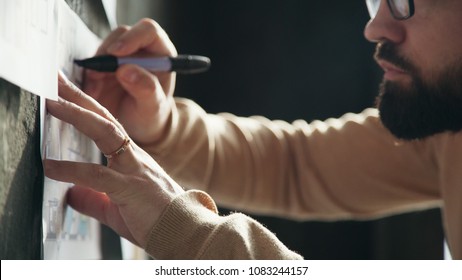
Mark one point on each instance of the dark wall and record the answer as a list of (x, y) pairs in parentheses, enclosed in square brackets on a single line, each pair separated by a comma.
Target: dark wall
[(21, 174), (282, 59), (296, 59)]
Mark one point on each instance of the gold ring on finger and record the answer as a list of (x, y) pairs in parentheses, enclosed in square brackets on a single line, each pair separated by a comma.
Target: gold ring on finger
[(120, 150)]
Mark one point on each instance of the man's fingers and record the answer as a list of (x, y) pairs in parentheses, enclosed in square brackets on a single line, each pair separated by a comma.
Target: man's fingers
[(139, 83), (95, 176), (88, 116), (111, 39), (71, 93), (91, 203), (146, 35), (106, 134), (99, 206)]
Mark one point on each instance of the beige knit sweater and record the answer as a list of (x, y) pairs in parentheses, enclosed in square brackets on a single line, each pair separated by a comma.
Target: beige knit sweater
[(346, 168)]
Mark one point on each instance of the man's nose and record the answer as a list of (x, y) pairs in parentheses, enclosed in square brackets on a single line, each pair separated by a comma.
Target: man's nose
[(383, 27)]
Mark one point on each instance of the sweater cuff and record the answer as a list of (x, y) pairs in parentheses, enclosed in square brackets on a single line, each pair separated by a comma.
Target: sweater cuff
[(184, 228)]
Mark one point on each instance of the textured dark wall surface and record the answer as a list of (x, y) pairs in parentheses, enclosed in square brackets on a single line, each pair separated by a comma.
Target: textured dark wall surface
[(21, 174)]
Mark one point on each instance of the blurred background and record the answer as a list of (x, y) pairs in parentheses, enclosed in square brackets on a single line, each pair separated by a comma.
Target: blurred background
[(291, 59)]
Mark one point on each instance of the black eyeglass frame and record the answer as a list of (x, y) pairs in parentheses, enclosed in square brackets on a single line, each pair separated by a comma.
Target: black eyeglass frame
[(394, 12)]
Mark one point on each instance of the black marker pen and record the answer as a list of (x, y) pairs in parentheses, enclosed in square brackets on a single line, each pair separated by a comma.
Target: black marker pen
[(184, 64)]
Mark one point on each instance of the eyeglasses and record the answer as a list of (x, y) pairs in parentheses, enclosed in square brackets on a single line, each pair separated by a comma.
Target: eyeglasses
[(400, 9)]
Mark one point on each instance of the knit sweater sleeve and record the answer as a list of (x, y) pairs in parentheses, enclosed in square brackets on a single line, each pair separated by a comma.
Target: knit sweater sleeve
[(190, 228), (345, 168)]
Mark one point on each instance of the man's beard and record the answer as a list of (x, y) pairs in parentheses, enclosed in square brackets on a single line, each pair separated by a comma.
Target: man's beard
[(422, 108)]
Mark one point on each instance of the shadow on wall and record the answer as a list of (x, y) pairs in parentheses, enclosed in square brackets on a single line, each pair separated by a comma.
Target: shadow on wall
[(21, 181)]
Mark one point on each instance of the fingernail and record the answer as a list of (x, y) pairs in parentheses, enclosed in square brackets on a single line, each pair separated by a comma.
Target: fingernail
[(61, 78), (116, 47), (55, 102), (50, 102), (130, 76), (48, 166)]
